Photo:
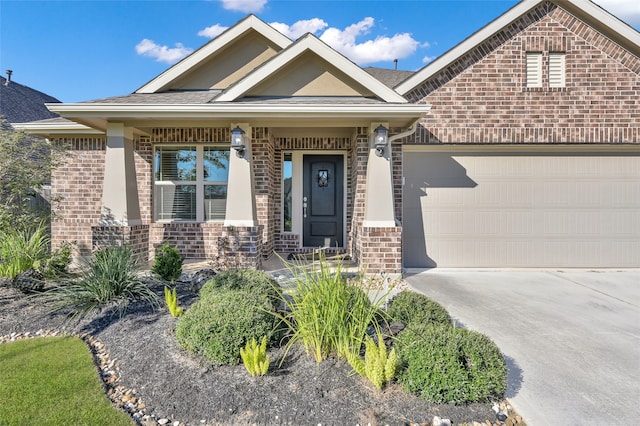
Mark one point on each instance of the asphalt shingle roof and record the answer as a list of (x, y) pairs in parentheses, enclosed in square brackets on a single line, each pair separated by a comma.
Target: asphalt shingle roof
[(171, 97), (390, 78), (21, 104)]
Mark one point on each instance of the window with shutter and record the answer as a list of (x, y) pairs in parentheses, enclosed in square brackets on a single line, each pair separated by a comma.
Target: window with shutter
[(190, 183), (557, 69), (534, 69)]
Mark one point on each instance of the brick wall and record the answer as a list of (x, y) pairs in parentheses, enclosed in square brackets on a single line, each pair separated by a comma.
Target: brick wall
[(136, 236), (77, 183), (380, 250), (265, 185), (483, 98)]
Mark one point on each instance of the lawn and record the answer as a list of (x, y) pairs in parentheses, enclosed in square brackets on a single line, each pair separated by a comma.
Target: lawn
[(53, 381)]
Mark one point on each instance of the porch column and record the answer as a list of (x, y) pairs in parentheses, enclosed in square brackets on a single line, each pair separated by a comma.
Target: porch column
[(378, 202), (120, 204), (242, 235), (241, 201), (120, 220)]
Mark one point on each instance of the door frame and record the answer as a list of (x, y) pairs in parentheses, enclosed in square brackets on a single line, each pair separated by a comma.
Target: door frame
[(297, 163)]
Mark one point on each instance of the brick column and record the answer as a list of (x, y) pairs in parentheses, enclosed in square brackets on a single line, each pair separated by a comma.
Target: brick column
[(244, 243)]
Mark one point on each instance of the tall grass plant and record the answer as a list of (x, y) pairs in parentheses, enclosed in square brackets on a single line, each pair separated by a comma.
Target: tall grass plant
[(22, 249)]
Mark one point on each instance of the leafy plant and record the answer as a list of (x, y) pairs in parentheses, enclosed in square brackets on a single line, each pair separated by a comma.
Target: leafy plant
[(167, 263), (221, 323), (110, 278), (22, 249), (248, 280), (379, 365), (171, 299), (58, 263), (327, 314), (450, 365), (409, 306), (255, 358)]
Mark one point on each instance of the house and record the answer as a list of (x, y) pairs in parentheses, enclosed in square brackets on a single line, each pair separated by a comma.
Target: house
[(519, 147)]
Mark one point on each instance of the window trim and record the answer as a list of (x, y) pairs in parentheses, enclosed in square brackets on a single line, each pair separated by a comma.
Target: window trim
[(199, 183)]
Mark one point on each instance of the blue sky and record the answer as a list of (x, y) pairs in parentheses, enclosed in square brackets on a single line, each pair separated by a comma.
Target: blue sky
[(81, 50)]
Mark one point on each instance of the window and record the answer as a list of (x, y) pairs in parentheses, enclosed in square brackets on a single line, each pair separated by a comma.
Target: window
[(534, 69), (190, 183), (556, 69), (287, 174)]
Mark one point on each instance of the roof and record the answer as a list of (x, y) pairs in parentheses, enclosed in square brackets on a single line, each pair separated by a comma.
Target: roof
[(170, 97), (585, 10), (20, 103), (390, 78)]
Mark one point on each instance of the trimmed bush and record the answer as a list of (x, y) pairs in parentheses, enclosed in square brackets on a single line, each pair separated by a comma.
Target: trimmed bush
[(247, 280), (409, 307), (222, 322), (450, 365), (167, 263)]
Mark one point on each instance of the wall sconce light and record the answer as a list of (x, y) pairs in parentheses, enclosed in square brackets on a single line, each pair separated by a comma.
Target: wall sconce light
[(380, 140), (237, 141)]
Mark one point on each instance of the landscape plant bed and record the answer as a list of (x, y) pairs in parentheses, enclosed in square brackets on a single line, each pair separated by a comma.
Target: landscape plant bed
[(170, 384)]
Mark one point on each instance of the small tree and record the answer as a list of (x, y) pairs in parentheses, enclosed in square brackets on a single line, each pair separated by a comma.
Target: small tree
[(26, 163)]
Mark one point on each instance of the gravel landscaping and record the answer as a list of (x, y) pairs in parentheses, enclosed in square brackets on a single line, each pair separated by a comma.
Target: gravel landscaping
[(148, 375)]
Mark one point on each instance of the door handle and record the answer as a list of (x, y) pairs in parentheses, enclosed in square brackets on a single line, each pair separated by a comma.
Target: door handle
[(304, 208)]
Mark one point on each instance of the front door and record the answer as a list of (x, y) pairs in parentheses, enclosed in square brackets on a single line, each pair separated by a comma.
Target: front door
[(322, 201)]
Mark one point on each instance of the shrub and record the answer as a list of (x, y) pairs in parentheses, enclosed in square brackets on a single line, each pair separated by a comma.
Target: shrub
[(221, 323), (22, 249), (167, 263), (109, 278), (450, 365), (329, 315), (59, 261), (247, 280), (409, 306), (255, 358), (379, 364)]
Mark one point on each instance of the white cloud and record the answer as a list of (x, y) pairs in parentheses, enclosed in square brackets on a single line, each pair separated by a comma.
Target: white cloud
[(627, 10), (212, 31), (382, 48), (300, 28), (428, 59), (246, 6), (166, 54)]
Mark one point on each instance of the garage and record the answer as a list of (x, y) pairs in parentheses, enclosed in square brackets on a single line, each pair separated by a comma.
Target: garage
[(504, 207)]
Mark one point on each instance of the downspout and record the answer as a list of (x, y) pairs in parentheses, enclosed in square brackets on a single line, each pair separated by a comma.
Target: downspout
[(410, 131)]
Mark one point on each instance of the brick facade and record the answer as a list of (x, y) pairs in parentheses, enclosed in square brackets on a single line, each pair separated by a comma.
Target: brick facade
[(482, 97)]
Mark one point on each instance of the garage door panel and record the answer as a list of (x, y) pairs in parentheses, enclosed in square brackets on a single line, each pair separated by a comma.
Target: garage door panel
[(522, 210)]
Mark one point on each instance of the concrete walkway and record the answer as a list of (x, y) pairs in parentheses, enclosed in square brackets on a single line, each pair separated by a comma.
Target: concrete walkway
[(571, 338)]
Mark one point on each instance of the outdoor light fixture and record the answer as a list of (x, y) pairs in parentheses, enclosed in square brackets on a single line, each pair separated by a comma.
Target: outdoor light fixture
[(380, 140), (237, 141)]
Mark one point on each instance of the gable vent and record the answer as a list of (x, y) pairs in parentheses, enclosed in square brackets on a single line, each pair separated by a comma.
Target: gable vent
[(534, 69), (556, 69)]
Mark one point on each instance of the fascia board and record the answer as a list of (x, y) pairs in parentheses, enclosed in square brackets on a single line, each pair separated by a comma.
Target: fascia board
[(56, 129), (468, 44), (231, 110), (228, 36), (309, 43), (607, 19)]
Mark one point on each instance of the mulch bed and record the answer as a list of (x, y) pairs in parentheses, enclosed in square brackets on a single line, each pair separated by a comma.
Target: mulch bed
[(164, 382)]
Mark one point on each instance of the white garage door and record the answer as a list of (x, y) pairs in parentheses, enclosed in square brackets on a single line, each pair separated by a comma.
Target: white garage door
[(465, 209)]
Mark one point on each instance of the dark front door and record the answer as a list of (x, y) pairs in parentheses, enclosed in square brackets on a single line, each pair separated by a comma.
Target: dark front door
[(322, 201)]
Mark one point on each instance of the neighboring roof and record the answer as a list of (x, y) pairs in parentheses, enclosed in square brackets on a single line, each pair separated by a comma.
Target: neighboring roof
[(586, 10), (195, 59), (309, 43), (390, 78), (20, 104)]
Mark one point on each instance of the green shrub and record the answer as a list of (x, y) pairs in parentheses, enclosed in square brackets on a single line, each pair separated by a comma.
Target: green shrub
[(171, 299), (109, 278), (409, 306), (247, 280), (221, 323), (329, 315), (167, 263), (58, 263), (22, 249), (379, 364), (450, 365)]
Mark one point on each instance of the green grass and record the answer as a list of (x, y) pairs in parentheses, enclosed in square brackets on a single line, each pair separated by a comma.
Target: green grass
[(53, 381)]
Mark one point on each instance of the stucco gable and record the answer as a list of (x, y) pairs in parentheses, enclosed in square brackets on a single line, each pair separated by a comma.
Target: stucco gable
[(309, 67), (224, 60), (480, 44)]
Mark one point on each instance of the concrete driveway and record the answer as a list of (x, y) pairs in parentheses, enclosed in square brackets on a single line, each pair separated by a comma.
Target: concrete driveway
[(571, 339)]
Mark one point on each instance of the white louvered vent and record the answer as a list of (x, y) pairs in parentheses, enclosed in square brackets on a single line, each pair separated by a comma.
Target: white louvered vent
[(534, 69), (557, 70)]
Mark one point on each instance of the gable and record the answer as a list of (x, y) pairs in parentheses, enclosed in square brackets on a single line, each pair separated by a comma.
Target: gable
[(226, 66), (483, 97), (309, 75)]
